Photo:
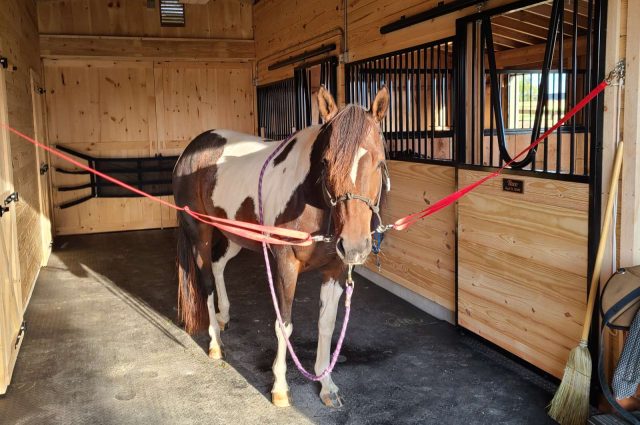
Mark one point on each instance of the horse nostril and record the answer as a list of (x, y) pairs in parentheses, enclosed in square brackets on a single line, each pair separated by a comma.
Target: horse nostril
[(340, 248)]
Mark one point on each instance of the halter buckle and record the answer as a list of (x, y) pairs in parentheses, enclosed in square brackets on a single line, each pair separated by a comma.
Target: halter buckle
[(321, 238)]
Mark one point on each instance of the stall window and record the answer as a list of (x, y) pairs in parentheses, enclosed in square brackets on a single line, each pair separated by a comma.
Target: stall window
[(418, 125)]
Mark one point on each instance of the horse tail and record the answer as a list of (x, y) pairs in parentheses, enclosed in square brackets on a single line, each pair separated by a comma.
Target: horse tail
[(192, 303)]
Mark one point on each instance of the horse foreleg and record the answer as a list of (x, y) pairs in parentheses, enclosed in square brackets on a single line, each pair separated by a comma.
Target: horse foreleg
[(285, 286), (329, 299), (218, 266)]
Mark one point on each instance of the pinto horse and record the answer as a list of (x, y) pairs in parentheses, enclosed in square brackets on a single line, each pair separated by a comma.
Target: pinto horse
[(327, 176)]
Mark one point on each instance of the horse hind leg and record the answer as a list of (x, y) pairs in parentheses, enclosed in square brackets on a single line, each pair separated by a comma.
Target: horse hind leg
[(205, 275), (224, 251), (330, 293)]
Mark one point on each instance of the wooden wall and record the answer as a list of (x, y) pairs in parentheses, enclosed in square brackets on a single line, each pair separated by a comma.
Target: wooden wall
[(523, 265), (131, 108), (22, 228), (422, 258), (284, 28), (19, 42), (216, 19)]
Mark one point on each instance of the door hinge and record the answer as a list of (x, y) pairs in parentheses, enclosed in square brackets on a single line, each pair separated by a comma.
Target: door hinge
[(4, 63), (23, 327), (11, 198)]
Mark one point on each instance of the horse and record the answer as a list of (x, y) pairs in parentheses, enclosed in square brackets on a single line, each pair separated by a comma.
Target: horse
[(326, 176)]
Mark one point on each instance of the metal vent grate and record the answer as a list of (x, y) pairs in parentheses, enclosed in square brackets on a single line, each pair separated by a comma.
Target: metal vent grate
[(171, 13)]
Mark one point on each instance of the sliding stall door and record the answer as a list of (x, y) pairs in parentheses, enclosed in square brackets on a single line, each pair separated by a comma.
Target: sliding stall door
[(11, 307), (523, 237)]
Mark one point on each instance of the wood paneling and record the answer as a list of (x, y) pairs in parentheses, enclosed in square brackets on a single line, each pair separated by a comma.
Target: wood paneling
[(286, 28), (422, 258), (523, 266), (21, 230), (365, 17), (128, 108), (70, 46), (216, 19)]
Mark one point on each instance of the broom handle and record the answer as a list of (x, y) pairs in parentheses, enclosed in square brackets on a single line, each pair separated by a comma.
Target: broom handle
[(606, 224)]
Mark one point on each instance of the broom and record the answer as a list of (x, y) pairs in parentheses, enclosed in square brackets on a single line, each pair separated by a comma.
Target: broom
[(570, 405)]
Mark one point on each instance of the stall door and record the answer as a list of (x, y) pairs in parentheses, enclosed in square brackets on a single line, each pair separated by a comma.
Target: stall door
[(523, 238), (42, 164), (11, 308)]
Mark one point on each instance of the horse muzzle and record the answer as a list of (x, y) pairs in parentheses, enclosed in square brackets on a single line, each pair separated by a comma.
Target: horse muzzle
[(353, 252)]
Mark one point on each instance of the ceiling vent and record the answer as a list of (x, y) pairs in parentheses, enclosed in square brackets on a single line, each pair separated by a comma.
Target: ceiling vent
[(171, 13)]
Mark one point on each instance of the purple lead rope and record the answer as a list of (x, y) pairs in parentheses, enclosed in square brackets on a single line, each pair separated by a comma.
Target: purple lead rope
[(347, 302)]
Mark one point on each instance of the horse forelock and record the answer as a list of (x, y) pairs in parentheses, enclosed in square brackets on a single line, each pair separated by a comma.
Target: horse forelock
[(347, 131)]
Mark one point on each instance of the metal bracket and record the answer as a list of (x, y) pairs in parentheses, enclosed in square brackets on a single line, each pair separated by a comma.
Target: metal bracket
[(23, 328), (9, 199), (12, 198), (4, 63)]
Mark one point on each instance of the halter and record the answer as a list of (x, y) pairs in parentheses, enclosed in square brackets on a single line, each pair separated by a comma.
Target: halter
[(385, 182)]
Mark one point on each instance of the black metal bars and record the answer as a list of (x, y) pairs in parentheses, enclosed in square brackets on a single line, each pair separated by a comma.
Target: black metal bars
[(418, 126), (554, 81), (152, 175), (277, 109), (286, 106)]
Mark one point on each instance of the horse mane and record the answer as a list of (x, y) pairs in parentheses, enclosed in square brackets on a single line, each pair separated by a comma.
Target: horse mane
[(347, 130)]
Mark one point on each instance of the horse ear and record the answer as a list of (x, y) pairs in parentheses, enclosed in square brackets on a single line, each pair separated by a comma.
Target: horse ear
[(380, 104), (326, 104)]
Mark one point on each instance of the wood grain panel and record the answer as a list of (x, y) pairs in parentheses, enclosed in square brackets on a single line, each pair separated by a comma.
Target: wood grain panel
[(74, 46), (130, 109), (20, 229), (422, 258), (100, 108), (215, 19), (523, 265), (365, 17)]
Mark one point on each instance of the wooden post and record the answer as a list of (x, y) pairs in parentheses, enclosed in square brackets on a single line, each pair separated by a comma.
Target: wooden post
[(630, 205)]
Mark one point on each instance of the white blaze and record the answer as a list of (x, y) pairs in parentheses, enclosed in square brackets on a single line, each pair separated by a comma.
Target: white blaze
[(356, 162)]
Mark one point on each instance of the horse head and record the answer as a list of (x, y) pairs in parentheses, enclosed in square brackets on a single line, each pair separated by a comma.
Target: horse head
[(354, 171)]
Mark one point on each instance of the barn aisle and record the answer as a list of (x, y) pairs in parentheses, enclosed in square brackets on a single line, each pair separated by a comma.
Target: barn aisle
[(102, 347)]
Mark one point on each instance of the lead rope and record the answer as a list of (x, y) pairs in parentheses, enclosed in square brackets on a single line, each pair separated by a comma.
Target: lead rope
[(347, 301)]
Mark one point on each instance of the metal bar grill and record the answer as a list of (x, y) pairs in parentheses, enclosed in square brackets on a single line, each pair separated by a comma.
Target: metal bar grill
[(286, 106), (526, 99), (418, 125), (277, 109)]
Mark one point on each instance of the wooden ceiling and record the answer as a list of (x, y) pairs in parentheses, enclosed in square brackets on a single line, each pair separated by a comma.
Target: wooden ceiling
[(529, 26)]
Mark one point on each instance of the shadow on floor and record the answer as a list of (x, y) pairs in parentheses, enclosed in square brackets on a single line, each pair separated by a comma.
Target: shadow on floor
[(103, 346)]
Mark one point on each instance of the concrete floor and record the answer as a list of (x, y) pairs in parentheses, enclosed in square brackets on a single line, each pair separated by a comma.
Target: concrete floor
[(102, 347)]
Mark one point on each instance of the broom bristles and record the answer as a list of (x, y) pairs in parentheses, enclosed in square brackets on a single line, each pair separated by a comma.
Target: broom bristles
[(570, 405)]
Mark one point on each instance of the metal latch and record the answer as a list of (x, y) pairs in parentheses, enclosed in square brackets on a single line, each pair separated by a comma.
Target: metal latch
[(23, 327)]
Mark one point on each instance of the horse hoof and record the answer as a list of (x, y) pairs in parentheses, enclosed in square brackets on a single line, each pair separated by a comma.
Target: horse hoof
[(215, 353), (332, 400), (282, 399)]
